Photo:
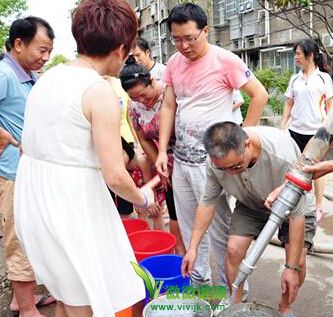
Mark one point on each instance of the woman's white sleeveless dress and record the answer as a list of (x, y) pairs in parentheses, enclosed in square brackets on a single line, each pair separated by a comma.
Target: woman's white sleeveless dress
[(64, 214)]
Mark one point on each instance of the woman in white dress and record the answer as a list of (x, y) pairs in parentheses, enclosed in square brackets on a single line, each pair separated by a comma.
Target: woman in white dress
[(64, 214)]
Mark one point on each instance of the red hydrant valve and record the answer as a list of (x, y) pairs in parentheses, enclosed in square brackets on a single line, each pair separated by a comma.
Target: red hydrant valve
[(298, 182)]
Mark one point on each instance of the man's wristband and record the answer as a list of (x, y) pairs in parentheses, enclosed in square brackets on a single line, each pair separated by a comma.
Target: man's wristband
[(145, 204), (293, 267)]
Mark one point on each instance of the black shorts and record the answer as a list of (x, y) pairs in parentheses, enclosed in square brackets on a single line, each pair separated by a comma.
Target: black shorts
[(300, 139), (124, 207), (170, 203), (128, 148)]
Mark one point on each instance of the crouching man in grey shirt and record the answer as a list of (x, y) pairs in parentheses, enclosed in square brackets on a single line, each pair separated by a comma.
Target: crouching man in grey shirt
[(250, 163)]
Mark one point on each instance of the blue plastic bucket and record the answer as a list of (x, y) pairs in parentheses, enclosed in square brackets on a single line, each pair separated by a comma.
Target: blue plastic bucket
[(166, 268)]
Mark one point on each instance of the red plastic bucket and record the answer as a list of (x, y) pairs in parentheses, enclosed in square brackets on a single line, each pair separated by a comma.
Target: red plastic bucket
[(147, 243), (128, 312), (133, 225)]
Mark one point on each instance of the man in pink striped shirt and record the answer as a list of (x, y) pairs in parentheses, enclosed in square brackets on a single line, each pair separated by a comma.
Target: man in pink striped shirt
[(200, 79)]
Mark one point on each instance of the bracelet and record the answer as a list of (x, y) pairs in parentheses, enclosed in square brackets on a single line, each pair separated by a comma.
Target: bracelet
[(293, 267), (145, 204)]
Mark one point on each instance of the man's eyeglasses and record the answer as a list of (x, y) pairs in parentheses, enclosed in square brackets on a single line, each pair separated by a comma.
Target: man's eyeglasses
[(187, 39), (234, 167)]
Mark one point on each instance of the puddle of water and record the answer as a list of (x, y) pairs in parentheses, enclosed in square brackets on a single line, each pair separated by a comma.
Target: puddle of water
[(249, 310)]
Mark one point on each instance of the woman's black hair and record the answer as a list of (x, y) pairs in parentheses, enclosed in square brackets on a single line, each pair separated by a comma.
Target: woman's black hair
[(326, 66), (133, 74), (309, 46), (143, 44)]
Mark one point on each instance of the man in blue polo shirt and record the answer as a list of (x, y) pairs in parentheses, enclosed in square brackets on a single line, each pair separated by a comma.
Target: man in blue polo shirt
[(31, 42)]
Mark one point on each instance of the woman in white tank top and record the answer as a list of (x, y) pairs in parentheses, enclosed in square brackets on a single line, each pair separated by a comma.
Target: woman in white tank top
[(64, 214)]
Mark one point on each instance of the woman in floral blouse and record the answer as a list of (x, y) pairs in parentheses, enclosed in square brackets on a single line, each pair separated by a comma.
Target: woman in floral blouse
[(146, 94)]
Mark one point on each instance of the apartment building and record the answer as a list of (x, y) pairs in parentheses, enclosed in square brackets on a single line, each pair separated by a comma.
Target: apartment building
[(152, 15), (249, 28)]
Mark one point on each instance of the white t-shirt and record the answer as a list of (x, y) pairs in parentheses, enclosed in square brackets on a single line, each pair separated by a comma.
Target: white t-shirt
[(203, 90), (237, 98), (309, 96), (157, 71)]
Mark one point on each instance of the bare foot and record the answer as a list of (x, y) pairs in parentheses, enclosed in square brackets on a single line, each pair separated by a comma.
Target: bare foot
[(285, 310), (32, 313)]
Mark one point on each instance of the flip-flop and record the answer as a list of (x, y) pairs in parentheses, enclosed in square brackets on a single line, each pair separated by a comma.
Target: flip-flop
[(44, 300), (15, 313)]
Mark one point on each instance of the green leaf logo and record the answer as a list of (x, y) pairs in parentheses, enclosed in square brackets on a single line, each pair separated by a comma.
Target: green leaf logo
[(150, 283)]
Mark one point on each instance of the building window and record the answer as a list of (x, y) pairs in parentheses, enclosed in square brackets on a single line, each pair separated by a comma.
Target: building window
[(241, 4), (235, 44), (250, 41), (245, 6), (287, 60), (219, 12), (151, 31), (164, 30), (231, 8), (271, 59)]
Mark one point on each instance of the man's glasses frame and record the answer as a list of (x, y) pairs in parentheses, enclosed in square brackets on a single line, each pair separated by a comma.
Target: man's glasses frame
[(234, 167), (187, 39)]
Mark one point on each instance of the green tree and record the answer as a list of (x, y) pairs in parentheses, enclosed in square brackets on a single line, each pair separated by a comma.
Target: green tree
[(9, 8), (57, 59), (286, 3), (276, 84)]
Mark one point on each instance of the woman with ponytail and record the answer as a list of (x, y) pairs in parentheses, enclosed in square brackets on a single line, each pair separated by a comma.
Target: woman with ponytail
[(146, 95), (309, 97)]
